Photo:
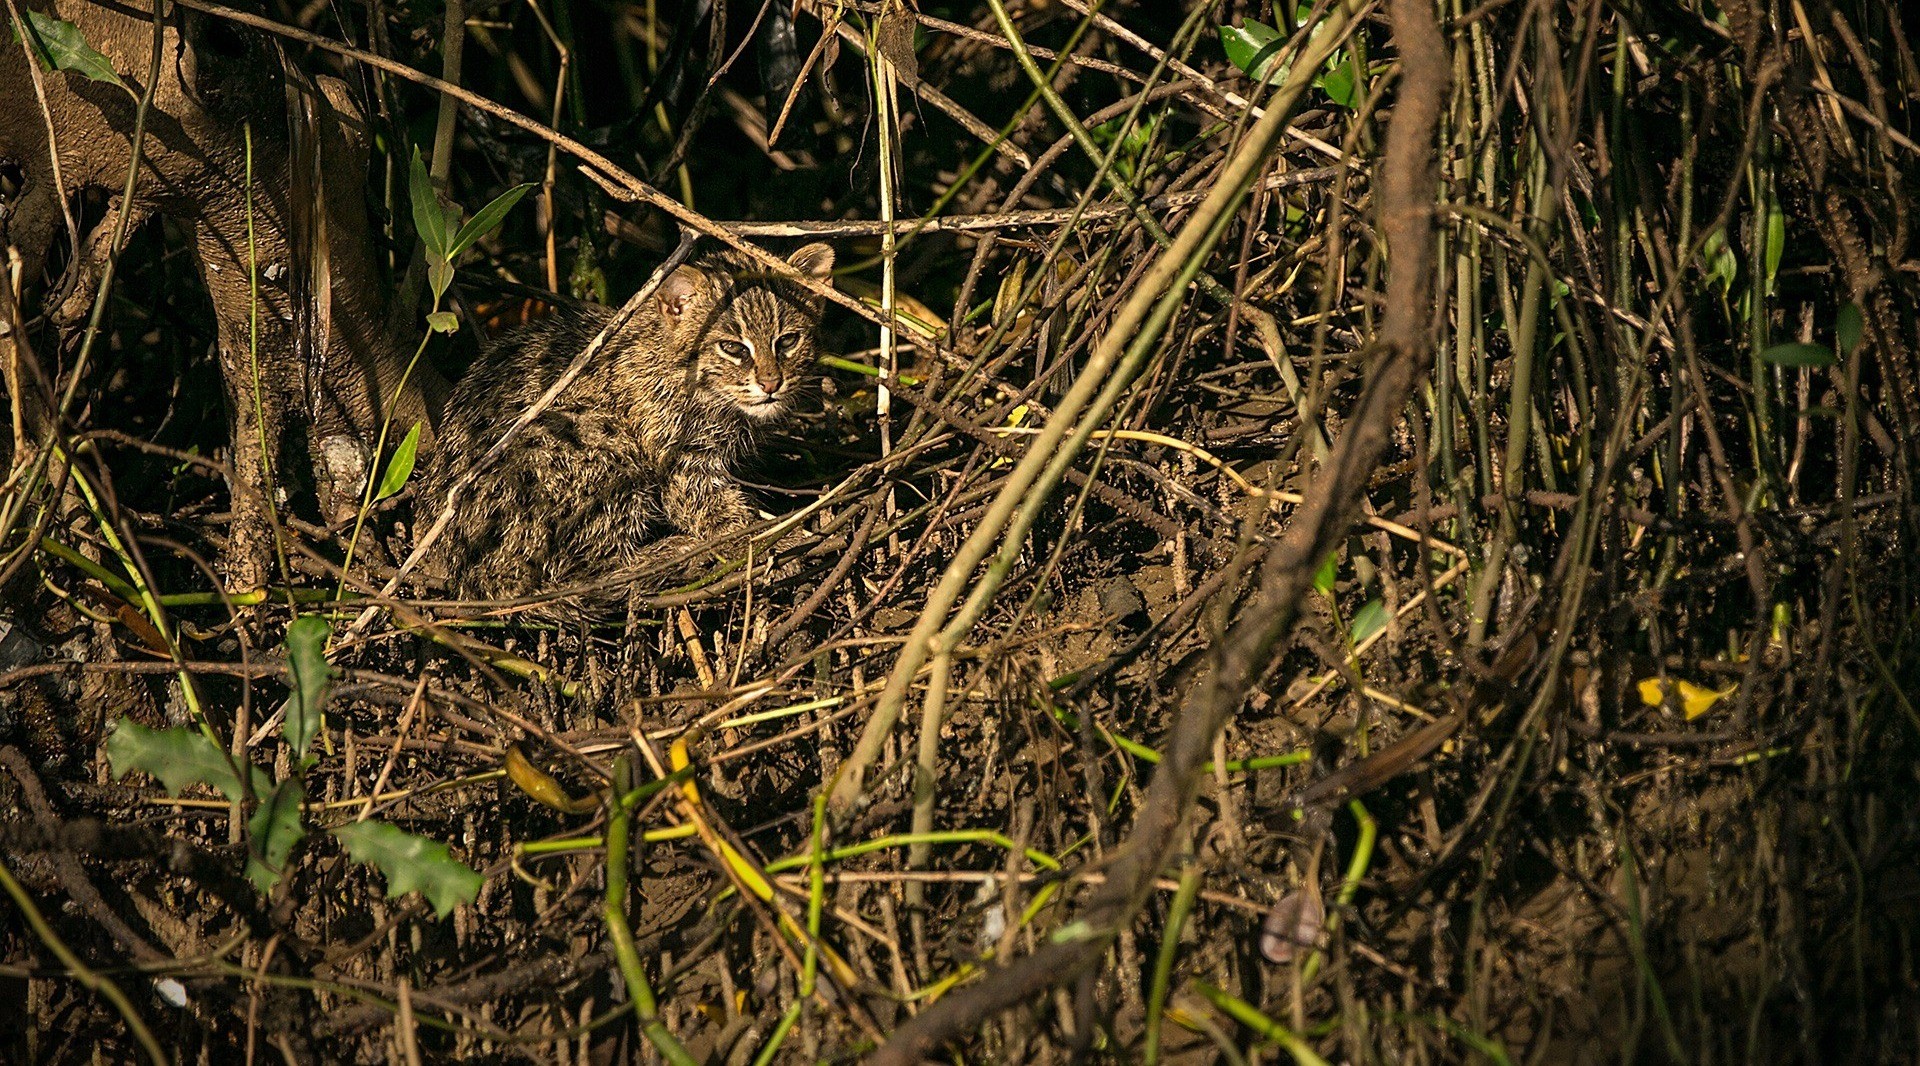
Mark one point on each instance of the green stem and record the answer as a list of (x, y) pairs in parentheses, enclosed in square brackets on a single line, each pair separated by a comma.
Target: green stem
[(143, 594), (810, 962), (1253, 1018), (619, 834), (380, 449), (1356, 872), (1177, 912), (92, 981)]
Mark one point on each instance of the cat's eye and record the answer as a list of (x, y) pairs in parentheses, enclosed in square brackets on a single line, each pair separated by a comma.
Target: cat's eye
[(788, 342), (735, 351)]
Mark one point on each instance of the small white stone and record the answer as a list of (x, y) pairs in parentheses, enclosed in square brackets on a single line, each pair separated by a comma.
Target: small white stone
[(172, 991), (993, 923)]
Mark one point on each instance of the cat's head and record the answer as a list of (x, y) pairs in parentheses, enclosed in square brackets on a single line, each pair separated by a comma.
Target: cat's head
[(750, 333)]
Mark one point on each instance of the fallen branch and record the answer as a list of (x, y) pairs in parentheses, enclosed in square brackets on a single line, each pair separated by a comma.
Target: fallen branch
[(1244, 656)]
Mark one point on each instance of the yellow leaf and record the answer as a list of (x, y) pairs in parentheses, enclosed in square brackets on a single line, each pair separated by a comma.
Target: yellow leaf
[(538, 784), (1694, 701), (1184, 1018), (914, 317), (1015, 419), (1006, 299)]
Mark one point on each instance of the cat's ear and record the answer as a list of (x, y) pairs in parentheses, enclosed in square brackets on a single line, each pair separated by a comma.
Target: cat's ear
[(683, 288), (815, 259)]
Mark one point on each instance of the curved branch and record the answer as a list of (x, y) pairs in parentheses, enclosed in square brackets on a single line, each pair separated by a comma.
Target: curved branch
[(1406, 188)]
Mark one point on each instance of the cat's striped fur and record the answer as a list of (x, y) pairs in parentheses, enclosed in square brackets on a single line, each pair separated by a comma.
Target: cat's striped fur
[(632, 462)]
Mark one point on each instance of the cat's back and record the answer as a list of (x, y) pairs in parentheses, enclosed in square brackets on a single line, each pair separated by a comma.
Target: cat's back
[(512, 372), (514, 521)]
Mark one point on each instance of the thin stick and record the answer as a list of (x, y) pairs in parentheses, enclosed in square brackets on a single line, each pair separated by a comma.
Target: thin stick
[(996, 220), (602, 171), (574, 369), (81, 973), (1133, 333)]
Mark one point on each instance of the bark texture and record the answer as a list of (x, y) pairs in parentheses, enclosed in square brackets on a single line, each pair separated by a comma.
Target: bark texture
[(329, 354)]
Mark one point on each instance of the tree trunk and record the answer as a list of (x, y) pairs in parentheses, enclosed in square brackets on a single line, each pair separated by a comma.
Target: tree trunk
[(306, 343)]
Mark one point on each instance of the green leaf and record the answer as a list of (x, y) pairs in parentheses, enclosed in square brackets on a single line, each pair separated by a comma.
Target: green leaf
[(1369, 620), (400, 467), (439, 277), (1131, 139), (272, 833), (586, 280), (309, 676), (1794, 353), (439, 322), (62, 46), (428, 218), (1776, 242), (1252, 47), (412, 863), (1074, 932), (1848, 328), (1722, 265), (1339, 86), (1329, 571), (179, 757), (489, 217)]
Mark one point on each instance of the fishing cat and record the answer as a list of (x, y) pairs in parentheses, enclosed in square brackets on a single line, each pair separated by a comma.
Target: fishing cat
[(631, 464)]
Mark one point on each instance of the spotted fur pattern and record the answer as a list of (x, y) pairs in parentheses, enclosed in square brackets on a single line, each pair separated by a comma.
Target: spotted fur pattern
[(632, 462)]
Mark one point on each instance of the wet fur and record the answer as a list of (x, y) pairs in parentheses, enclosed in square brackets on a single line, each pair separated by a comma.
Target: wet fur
[(632, 463)]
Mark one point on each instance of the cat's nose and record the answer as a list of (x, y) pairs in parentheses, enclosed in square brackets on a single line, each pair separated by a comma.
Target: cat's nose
[(769, 383)]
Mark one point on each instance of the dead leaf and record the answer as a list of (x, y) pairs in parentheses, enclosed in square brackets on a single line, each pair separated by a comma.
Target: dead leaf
[(137, 623), (894, 38), (1294, 925), (830, 51)]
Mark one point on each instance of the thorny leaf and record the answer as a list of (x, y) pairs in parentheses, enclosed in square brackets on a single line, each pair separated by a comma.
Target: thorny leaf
[(61, 46), (272, 833), (309, 676), (412, 863), (179, 757)]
